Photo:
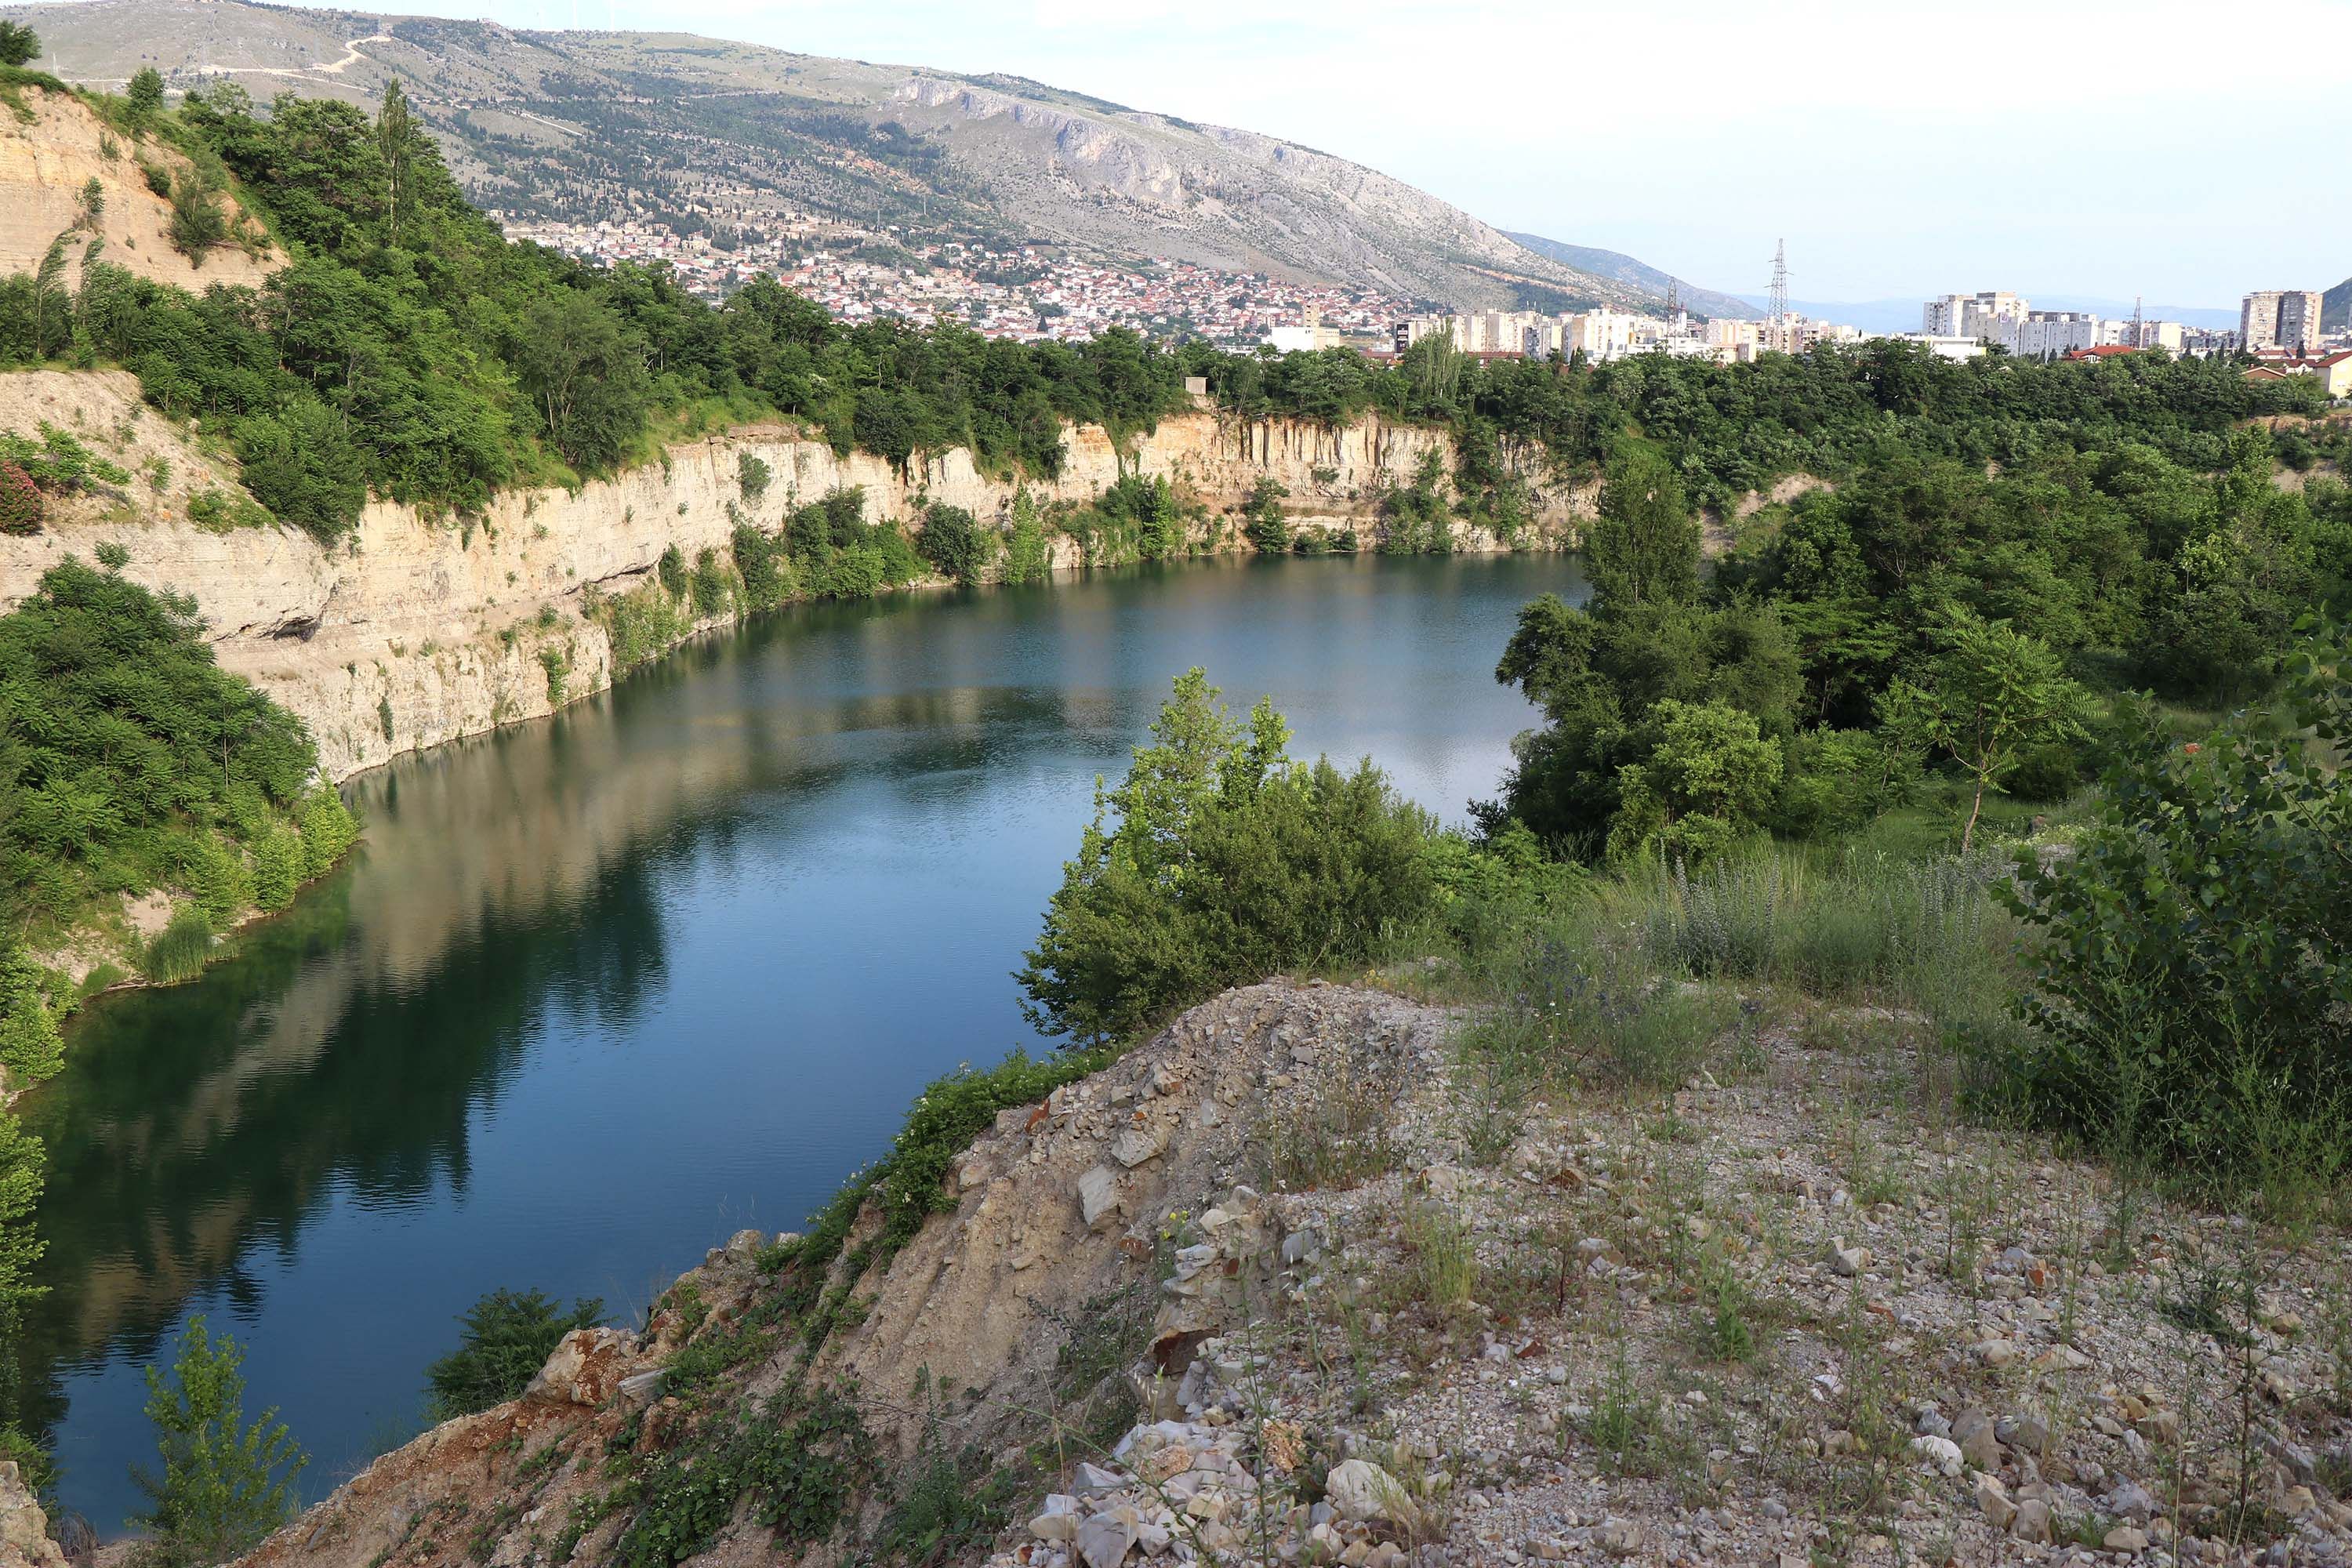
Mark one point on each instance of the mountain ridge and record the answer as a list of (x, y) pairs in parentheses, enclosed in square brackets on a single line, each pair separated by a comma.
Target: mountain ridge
[(1624, 269), (707, 133)]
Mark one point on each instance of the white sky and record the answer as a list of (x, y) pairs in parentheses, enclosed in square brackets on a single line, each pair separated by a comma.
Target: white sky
[(2184, 151)]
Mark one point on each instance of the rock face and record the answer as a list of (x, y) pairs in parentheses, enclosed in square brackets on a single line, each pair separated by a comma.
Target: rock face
[(417, 632), (23, 1528)]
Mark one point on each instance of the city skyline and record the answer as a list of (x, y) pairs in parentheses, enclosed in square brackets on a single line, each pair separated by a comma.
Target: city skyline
[(2109, 156)]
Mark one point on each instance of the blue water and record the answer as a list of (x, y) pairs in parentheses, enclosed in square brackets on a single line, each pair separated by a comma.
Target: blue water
[(599, 989)]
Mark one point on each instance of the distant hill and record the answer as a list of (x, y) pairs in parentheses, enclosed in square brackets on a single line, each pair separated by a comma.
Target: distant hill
[(1636, 274), (2336, 308), (702, 135)]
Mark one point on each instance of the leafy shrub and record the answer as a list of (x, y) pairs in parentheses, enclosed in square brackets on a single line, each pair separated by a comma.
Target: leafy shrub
[(708, 588), (2191, 998), (20, 500), (328, 829), (641, 623), (799, 1461), (197, 223), (1026, 559), (277, 867), (750, 475), (1220, 861), (508, 1336), (671, 569)]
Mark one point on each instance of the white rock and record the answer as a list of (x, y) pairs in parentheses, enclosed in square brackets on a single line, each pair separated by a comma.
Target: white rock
[(1099, 1196), (1940, 1454), (1361, 1490)]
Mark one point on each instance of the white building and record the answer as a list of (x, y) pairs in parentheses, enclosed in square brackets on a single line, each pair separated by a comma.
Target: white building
[(1945, 345), (1600, 334), (1992, 314), (2049, 334)]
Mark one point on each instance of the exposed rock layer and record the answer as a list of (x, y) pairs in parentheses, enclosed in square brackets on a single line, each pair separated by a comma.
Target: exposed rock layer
[(420, 631)]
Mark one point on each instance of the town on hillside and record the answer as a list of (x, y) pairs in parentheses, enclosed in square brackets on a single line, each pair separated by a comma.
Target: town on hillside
[(1039, 292)]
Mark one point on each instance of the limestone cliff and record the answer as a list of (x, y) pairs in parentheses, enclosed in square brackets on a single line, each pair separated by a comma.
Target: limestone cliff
[(418, 631)]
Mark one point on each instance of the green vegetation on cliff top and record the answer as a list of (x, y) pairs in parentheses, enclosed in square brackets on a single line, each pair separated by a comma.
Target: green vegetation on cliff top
[(410, 350)]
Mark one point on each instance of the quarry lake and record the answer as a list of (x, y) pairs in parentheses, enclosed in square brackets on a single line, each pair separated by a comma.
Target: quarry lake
[(597, 991)]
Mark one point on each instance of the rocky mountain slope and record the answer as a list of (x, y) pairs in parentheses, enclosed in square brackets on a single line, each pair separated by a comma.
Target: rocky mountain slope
[(1636, 274), (595, 125), (1290, 1283)]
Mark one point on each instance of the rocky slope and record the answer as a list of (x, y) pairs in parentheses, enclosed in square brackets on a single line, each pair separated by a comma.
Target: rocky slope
[(595, 125), (1288, 1284), (421, 631)]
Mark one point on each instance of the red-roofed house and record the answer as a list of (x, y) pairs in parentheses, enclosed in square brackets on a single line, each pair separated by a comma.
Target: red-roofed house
[(2333, 370)]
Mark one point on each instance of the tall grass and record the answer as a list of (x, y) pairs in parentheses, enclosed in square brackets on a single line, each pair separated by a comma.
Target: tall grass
[(1626, 981), (1859, 927), (179, 951)]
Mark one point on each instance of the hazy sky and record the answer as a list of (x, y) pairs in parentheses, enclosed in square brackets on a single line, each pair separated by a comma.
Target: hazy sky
[(2184, 151)]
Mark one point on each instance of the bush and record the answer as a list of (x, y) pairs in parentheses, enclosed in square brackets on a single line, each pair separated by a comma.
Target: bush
[(116, 717), (750, 477), (709, 584), (1219, 860), (21, 507), (328, 829), (508, 1337), (2191, 998)]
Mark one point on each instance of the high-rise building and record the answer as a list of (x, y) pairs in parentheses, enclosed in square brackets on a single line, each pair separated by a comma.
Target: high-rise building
[(1992, 313), (2279, 318)]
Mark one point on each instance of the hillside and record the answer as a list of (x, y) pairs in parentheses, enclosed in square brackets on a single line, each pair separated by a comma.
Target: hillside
[(50, 155), (1618, 267), (2336, 308), (1315, 1295), (588, 126)]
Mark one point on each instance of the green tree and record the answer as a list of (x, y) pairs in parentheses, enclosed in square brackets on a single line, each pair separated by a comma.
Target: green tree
[(1644, 547), (19, 45), (145, 94), (1269, 531), (586, 375), (1216, 860), (1704, 785), (396, 137), (1992, 695), (197, 223), (953, 543), (31, 1048), (506, 1337), (224, 1484), (22, 1162)]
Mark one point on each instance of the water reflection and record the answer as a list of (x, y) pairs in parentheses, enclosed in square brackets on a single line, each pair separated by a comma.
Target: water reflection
[(599, 989)]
